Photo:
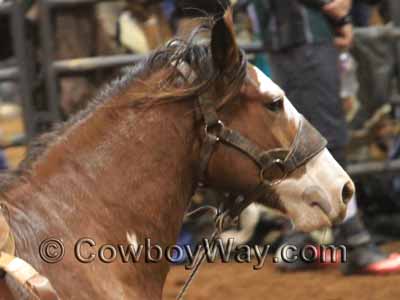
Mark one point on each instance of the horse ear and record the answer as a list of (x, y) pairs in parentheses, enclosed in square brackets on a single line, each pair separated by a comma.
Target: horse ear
[(225, 51)]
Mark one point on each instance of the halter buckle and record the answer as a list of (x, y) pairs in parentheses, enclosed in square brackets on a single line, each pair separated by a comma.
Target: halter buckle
[(213, 130)]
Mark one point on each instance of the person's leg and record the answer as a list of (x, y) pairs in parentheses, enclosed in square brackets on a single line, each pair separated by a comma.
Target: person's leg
[(313, 89), (309, 75)]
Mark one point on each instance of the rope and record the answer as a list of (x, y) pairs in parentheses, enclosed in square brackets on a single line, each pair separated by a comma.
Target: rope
[(221, 215), (196, 268)]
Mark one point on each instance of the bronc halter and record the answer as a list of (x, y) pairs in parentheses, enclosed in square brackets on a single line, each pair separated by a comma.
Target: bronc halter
[(274, 165)]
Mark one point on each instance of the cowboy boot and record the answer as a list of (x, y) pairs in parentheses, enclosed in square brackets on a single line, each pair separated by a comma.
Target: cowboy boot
[(363, 255), (298, 240)]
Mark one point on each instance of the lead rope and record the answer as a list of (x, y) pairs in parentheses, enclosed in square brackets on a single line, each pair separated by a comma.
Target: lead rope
[(220, 218), (196, 268)]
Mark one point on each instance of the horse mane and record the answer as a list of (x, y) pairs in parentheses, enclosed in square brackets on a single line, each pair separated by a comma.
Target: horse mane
[(161, 67)]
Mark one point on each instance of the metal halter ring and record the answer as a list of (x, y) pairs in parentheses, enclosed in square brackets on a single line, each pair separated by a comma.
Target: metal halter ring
[(213, 130), (281, 165)]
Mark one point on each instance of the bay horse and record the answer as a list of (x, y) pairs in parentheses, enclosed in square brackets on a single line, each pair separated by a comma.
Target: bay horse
[(124, 169)]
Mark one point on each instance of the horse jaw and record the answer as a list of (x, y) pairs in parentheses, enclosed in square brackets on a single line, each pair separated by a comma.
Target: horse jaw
[(315, 195)]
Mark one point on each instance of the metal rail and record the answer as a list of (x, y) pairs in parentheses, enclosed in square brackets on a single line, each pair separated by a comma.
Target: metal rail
[(374, 168), (71, 67), (70, 3), (255, 48), (9, 74), (48, 52), (22, 71), (23, 54), (6, 7)]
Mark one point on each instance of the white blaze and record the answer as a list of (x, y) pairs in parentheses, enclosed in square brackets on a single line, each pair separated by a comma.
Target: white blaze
[(273, 91)]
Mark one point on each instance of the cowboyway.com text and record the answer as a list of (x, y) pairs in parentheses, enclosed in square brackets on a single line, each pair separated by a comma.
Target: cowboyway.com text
[(87, 251)]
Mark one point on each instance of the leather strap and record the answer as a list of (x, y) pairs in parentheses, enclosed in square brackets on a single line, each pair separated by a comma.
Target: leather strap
[(235, 139), (308, 143), (207, 150), (24, 274), (208, 111)]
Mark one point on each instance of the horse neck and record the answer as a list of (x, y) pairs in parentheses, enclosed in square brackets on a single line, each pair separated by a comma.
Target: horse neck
[(120, 173)]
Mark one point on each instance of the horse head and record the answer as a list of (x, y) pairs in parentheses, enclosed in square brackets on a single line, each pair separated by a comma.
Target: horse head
[(262, 138)]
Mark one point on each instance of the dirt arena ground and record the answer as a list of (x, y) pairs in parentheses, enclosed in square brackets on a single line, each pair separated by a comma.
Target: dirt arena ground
[(240, 282)]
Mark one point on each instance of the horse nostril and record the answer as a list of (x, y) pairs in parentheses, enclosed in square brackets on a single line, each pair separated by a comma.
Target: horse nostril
[(317, 197), (348, 192)]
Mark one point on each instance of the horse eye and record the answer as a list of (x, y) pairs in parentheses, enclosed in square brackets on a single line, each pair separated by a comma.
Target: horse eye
[(275, 106)]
